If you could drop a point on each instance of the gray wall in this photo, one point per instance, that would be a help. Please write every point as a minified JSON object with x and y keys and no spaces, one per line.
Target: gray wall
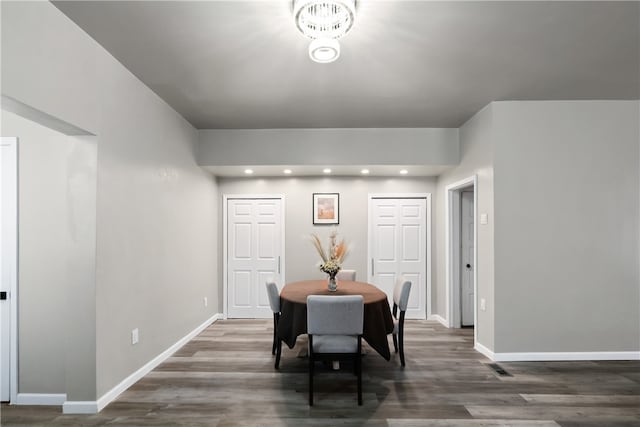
{"x":406,"y":146}
{"x":566,"y":233}
{"x":157,"y":225}
{"x":476,"y":158}
{"x":301,"y":257}
{"x":57,"y":219}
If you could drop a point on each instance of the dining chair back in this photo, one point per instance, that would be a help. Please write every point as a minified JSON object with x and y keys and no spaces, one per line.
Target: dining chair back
{"x":401,"y":292}
{"x":274,"y":302}
{"x":334,"y":326}
{"x":348,"y":275}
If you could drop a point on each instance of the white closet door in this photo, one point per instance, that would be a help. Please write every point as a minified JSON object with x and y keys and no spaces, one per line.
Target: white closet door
{"x":398,"y":246}
{"x":466,"y":259}
{"x":254,"y":255}
{"x":8,"y":258}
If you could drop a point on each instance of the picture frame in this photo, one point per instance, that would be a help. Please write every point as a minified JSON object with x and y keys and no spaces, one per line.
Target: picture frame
{"x":326,"y":208}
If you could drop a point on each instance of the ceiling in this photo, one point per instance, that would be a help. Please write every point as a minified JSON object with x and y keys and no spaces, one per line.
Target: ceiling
{"x":243,"y":65}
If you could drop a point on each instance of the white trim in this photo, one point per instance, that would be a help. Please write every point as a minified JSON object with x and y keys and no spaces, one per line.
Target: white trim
{"x":11,"y":175}
{"x":92,"y":407}
{"x":484,"y":350}
{"x":453,"y":315}
{"x":566,"y":356}
{"x":80,"y":407}
{"x":557,"y":356}
{"x":48,"y":399}
{"x":439,"y":319}
{"x":225,"y":199}
{"x":427,"y":197}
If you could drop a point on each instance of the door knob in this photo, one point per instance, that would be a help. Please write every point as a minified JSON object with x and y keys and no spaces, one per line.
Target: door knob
{"x":468,"y":265}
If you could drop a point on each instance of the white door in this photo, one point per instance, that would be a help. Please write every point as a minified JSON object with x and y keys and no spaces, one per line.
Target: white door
{"x":398,"y":246}
{"x":466,"y":258}
{"x":8,"y":257}
{"x":255,"y":243}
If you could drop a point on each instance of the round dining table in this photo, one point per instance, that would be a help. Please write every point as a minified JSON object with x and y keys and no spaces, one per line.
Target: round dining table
{"x":378,"y":322}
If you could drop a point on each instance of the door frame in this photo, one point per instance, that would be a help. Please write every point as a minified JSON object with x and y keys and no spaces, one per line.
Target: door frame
{"x":452,"y":234}
{"x":11,"y":175}
{"x":427,"y":197}
{"x":225,"y":225}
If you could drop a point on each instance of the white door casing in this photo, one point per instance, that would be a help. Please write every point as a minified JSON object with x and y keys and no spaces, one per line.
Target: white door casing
{"x":399,"y":244}
{"x":467,"y":296}
{"x":254,"y":243}
{"x":8,"y":267}
{"x":453,"y":200}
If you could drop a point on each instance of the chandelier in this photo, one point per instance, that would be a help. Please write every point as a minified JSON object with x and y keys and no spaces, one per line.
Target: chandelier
{"x":324,"y":21}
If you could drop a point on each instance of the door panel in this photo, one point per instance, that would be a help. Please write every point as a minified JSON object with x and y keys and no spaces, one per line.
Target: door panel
{"x":254,"y":241}
{"x":466,"y":259}
{"x":8,"y":259}
{"x":398,"y":233}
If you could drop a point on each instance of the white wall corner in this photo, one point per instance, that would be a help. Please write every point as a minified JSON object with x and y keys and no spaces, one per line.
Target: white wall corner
{"x":485,"y":351}
{"x":439,"y":319}
{"x":47,"y":399}
{"x":89,"y":407}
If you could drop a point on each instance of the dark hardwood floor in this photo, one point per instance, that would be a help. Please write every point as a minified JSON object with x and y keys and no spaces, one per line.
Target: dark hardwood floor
{"x":225,"y":377}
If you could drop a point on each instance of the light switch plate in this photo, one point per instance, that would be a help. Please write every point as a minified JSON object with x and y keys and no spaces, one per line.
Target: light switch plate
{"x":484,"y":219}
{"x":483,"y":304}
{"x":134,"y":336}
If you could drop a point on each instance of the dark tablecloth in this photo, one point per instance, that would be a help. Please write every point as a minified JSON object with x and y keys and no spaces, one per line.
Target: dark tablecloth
{"x":378,"y":322}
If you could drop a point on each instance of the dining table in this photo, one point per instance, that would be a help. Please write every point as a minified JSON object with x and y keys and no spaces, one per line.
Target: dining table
{"x":378,"y":321}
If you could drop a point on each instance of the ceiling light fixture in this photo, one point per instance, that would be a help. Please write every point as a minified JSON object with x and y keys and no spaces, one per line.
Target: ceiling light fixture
{"x":327,"y":170}
{"x":324,"y":21}
{"x":324,"y":50}
{"x":287,"y":171}
{"x":248,"y":171}
{"x":404,"y":172}
{"x":364,"y":171}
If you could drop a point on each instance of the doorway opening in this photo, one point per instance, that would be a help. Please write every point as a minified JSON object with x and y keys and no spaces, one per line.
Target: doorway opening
{"x":461,"y":242}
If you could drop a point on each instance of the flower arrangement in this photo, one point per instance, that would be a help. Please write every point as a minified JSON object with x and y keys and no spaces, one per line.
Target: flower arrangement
{"x":333,"y":258}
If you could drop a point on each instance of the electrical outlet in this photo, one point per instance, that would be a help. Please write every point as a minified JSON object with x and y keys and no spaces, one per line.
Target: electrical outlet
{"x":206,"y":302}
{"x":483,"y":304}
{"x":134,"y":336}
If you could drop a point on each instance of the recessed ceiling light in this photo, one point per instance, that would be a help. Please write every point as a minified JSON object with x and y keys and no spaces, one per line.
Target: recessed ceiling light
{"x":248,"y":171}
{"x":327,"y":170}
{"x":364,"y":171}
{"x":287,"y":171}
{"x":404,"y":172}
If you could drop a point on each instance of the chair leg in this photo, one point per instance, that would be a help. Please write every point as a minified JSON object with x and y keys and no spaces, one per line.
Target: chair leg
{"x":401,"y":343}
{"x":395,"y":342}
{"x":311,"y":366}
{"x":275,"y":333}
{"x":278,"y":352}
{"x":359,"y":371}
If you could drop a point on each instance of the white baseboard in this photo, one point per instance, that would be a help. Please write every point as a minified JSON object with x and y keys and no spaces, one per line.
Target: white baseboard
{"x":557,"y":356}
{"x":80,"y":407}
{"x":93,"y":407}
{"x":439,"y":319}
{"x":484,"y":350}
{"x":565,"y":356}
{"x":39,"y":399}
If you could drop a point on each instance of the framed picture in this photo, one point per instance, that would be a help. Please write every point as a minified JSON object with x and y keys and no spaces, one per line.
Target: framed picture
{"x":326,"y":208}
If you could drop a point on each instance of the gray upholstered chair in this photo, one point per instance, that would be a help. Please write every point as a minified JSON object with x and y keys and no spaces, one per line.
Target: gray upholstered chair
{"x":346,"y":275}
{"x":274,"y":302}
{"x":400,"y":301}
{"x":334,"y":325}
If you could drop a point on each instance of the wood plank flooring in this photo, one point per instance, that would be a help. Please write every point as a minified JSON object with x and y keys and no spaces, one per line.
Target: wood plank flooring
{"x":225,"y":377}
